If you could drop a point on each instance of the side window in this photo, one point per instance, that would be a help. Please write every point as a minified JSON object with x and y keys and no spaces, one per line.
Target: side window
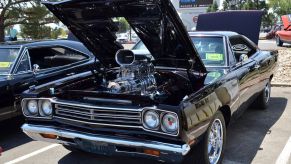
{"x":49,"y":57}
{"x":24,"y":64}
{"x":241,"y":46}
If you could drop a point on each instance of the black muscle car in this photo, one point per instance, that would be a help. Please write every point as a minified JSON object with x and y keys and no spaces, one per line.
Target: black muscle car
{"x":171,"y":104}
{"x":26,"y":64}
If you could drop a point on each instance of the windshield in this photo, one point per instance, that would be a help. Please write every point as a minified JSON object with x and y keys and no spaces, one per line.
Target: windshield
{"x":211,"y":49}
{"x":7,"y":58}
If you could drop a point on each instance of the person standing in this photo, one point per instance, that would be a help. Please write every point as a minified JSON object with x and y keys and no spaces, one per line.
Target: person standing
{"x":13,"y":34}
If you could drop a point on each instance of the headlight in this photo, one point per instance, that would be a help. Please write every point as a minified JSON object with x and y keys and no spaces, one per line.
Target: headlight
{"x":32,"y":107}
{"x":46,"y":108}
{"x":151,"y":119}
{"x":170,"y":122}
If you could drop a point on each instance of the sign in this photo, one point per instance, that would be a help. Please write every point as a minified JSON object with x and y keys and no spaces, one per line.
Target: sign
{"x":194,"y":3}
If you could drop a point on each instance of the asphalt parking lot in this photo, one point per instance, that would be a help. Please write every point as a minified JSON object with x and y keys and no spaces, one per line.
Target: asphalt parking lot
{"x":258,"y":136}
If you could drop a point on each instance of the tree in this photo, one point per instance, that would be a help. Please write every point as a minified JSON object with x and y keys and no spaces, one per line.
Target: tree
{"x":281,"y":7}
{"x":33,"y":31}
{"x":56,"y":33}
{"x":225,"y":5}
{"x":14,"y":12}
{"x":123,"y":25}
{"x":213,"y":7}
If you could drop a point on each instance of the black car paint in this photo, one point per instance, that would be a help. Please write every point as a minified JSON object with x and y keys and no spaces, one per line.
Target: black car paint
{"x":173,"y":48}
{"x":237,"y":85}
{"x":13,"y":84}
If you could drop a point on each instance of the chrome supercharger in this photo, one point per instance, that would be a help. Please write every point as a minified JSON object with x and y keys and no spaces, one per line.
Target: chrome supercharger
{"x":136,"y":74}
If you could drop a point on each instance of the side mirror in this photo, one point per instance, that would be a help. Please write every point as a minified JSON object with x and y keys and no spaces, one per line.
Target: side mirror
{"x":243,"y":58}
{"x":35,"y":68}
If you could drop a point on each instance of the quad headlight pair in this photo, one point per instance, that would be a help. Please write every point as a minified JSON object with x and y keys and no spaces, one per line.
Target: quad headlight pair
{"x":167,"y":122}
{"x":37,"y":108}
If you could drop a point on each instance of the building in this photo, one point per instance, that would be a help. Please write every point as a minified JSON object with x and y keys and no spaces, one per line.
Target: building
{"x":190,"y":9}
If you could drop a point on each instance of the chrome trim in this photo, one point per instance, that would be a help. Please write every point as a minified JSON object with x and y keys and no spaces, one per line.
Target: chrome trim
{"x":34,"y":132}
{"x":161,"y":113}
{"x":141,"y":110}
{"x":24,"y":51}
{"x":101,"y":124}
{"x":108,"y":100}
{"x":23,"y":108}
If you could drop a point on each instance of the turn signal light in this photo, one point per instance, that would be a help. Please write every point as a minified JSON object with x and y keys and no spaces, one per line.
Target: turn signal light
{"x":151,"y":152}
{"x":50,"y":136}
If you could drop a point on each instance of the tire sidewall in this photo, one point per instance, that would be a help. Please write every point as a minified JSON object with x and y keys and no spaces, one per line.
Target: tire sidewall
{"x":278,"y":41}
{"x":270,"y":89}
{"x":218,"y":115}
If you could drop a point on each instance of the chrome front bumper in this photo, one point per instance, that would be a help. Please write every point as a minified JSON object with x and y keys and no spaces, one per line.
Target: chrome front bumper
{"x":168,"y":152}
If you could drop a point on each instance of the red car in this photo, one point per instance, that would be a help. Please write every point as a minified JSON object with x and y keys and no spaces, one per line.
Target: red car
{"x":284,"y":35}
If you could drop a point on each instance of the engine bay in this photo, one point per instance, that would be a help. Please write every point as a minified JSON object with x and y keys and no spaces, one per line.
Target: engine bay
{"x":137,"y":78}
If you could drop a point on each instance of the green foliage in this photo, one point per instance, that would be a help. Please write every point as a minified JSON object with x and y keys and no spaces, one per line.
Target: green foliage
{"x":23,"y":12}
{"x":35,"y":31}
{"x":281,"y":7}
{"x":250,"y":5}
{"x":225,"y":5}
{"x":268,"y":18}
{"x":35,"y":28}
{"x":123,"y":25}
{"x":213,"y":7}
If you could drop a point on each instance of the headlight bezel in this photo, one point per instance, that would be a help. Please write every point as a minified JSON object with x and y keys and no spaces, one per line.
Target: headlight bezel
{"x":39,"y":113}
{"x":160,"y":129}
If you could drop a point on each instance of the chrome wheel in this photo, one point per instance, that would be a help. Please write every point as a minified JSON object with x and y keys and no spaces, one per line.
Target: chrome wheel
{"x":267,"y":93}
{"x":215,"y":141}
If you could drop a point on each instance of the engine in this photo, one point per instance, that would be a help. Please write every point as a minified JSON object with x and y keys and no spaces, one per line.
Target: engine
{"x":135,"y":76}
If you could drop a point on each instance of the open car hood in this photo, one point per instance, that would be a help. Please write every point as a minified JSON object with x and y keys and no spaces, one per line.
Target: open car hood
{"x":156,"y":22}
{"x":246,"y":23}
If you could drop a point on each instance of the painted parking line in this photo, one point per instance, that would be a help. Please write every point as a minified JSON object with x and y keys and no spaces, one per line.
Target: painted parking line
{"x":285,"y":154}
{"x":32,"y":154}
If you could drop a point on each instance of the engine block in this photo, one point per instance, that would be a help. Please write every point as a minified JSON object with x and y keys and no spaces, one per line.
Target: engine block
{"x":134,"y":77}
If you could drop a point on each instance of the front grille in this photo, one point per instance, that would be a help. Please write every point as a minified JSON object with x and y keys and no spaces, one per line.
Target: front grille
{"x":99,"y":115}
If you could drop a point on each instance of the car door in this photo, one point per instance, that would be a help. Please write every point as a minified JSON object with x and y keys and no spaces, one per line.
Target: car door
{"x":246,"y":69}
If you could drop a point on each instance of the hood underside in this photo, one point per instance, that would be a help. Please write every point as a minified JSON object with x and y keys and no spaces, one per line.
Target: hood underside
{"x":243,"y":22}
{"x":156,"y":22}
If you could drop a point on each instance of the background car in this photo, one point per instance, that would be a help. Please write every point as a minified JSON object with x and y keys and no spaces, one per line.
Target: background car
{"x":284,"y":35}
{"x":26,"y":64}
{"x":122,"y":38}
{"x":272,"y":33}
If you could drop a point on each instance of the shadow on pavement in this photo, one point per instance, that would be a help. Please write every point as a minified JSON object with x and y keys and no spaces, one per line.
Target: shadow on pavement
{"x":246,"y":134}
{"x":80,"y":157}
{"x":11,"y":135}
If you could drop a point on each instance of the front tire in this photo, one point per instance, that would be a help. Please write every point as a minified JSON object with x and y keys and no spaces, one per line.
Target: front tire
{"x":211,"y":148}
{"x":279,"y":41}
